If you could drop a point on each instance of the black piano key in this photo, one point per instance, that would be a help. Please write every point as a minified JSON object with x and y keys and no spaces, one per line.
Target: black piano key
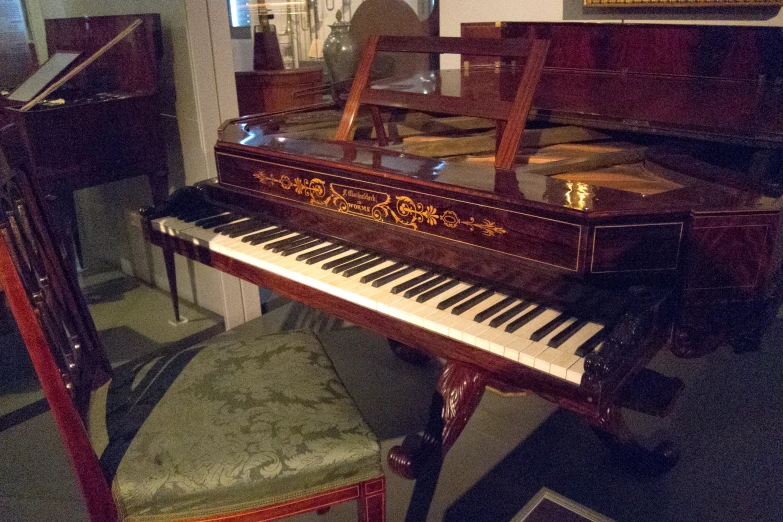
{"x":237,"y":225}
{"x":337,"y":262}
{"x":240,"y":220}
{"x":253,"y":226}
{"x":275,"y":236}
{"x":275,"y":246}
{"x":426,"y":296}
{"x":222,"y":220}
{"x":458,"y":297}
{"x":214,"y":221}
{"x":566,"y":333}
{"x":508,"y":314}
{"x":470,"y":303}
{"x":293,"y":244}
{"x":492,"y":310}
{"x":549,"y":327}
{"x":590,"y":344}
{"x":252,"y":237}
{"x":369,"y":278}
{"x":393,"y":276}
{"x":302,"y":246}
{"x":525,"y":318}
{"x":356,"y":262}
{"x":364,"y":266}
{"x":266,"y":237}
{"x":411,"y":282}
{"x":189,"y":217}
{"x":323,"y":250}
{"x":424,"y":286}
{"x":326,"y":255}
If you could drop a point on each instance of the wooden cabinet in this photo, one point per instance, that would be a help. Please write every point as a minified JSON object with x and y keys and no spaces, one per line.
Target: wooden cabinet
{"x":271,"y":91}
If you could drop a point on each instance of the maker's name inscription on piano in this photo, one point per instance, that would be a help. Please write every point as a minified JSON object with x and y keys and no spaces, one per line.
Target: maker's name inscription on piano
{"x":374,"y":204}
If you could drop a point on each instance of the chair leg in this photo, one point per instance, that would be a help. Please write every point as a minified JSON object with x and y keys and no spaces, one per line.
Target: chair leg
{"x":372,"y":500}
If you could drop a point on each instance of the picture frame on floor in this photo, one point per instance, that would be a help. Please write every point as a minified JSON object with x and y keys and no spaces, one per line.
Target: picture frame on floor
{"x":548,"y":506}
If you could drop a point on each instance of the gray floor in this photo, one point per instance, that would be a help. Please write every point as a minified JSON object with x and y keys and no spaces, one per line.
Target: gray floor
{"x":728,"y":424}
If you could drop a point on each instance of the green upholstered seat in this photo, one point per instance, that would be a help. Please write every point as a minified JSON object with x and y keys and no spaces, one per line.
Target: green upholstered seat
{"x":242,"y":421}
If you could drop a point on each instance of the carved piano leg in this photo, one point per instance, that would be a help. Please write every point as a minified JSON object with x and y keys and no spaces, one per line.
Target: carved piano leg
{"x":408,"y":354}
{"x":749,"y":321}
{"x":460,"y":388}
{"x":420,"y":457}
{"x":695,"y":334}
{"x":611,"y":428}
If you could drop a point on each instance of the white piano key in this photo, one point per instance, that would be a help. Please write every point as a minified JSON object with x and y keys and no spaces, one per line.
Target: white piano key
{"x":584,"y":333}
{"x":474,"y":328}
{"x":516,"y":346}
{"x":436,"y":300}
{"x":545,"y":357}
{"x":575,"y":371}
{"x":170,"y":225}
{"x":559,"y":366}
{"x":537,"y":322}
{"x":510,"y":353}
{"x":498,"y":337}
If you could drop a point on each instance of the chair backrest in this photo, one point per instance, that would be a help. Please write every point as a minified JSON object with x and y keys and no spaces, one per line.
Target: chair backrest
{"x":511,"y":115}
{"x":49,"y":313}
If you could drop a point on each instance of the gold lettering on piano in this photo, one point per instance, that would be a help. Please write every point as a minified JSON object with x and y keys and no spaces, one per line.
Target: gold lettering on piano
{"x":375,"y":205}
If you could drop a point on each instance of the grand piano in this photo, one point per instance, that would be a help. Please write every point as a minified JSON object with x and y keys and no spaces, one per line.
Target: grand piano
{"x":549,"y":230}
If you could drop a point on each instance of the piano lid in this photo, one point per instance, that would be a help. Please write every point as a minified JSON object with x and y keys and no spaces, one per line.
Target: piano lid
{"x":740,"y":111}
{"x":708,"y":82}
{"x":569,"y":192}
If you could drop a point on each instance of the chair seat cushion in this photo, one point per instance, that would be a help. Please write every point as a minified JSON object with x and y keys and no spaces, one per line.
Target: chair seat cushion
{"x":240,"y":422}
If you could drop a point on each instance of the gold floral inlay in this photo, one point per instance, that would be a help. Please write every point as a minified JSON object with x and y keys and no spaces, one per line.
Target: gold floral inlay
{"x":375,"y":204}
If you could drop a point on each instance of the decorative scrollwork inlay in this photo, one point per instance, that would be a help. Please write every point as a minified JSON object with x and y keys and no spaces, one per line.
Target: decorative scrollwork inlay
{"x":376,"y":205}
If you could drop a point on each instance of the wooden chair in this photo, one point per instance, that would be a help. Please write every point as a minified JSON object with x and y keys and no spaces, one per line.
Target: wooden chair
{"x":510,"y":115}
{"x":243,"y":427}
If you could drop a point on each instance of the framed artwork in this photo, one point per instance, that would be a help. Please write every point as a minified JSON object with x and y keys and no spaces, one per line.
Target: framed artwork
{"x":681,"y":3}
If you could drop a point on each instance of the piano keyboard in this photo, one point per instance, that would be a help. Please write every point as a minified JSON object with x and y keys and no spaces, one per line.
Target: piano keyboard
{"x":514,"y":327}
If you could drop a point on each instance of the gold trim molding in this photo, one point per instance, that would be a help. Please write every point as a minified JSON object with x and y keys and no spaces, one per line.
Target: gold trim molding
{"x":375,"y":204}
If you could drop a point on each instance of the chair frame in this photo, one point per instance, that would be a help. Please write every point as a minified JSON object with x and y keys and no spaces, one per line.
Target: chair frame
{"x":28,"y":312}
{"x":511,"y":116}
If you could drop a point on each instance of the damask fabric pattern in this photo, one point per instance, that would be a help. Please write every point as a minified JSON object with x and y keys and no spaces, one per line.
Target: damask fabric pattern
{"x":249,"y":421}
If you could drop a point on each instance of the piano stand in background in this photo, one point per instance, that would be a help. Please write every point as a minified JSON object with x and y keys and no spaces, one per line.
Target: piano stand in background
{"x":106,"y":125}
